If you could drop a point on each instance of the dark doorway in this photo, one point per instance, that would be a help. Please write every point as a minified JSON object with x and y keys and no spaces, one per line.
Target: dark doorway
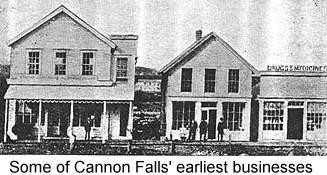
{"x":212,"y":124}
{"x":124,"y":115}
{"x":295,"y":124}
{"x":58,"y":119}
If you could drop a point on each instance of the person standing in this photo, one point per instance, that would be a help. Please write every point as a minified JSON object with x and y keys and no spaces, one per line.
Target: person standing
{"x":87,"y":128}
{"x":192,"y":130}
{"x":220,"y":129}
{"x":203,"y":130}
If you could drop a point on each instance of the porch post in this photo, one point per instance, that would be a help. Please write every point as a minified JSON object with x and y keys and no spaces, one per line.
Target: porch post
{"x":39,"y":122}
{"x":103,"y":121}
{"x":6,"y":121}
{"x":130,"y":121}
{"x":71,"y":115}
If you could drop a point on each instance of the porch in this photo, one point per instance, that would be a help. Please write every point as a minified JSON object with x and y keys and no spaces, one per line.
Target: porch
{"x":37,"y":120}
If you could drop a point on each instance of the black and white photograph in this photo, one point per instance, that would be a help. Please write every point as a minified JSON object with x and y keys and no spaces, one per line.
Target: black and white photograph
{"x":163,"y":77}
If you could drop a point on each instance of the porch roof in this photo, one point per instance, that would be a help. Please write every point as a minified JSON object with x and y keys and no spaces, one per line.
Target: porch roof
{"x":65,"y":93}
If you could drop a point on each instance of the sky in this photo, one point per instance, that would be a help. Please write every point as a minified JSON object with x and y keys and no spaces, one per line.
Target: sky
{"x":264,"y":32}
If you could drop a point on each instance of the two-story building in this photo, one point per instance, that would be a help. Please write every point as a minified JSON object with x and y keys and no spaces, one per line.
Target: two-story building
{"x":63,"y":71}
{"x":209,"y":80}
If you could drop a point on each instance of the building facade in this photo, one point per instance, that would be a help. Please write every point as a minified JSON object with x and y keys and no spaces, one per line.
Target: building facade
{"x":148,"y":84}
{"x":64,"y":72}
{"x":293,"y":106}
{"x":209,"y":80}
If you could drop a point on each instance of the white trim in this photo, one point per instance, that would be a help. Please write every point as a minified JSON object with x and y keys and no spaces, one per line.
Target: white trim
{"x":103,"y":128}
{"x":6,"y":121}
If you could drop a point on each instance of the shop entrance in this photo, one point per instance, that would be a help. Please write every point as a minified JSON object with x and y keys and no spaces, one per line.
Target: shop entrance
{"x":295,"y":124}
{"x":210,"y":114}
{"x":57,"y":119}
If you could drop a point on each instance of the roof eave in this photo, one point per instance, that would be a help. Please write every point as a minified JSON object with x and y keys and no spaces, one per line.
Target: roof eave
{"x":181,"y":56}
{"x":70,"y":14}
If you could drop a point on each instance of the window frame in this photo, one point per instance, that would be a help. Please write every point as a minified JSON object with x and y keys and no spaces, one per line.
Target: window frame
{"x":28,"y":51}
{"x":227,"y":114}
{"x":186,"y":84}
{"x":181,"y":117}
{"x":209,"y":84}
{"x":92,"y":62}
{"x":22,"y":115}
{"x":55,"y":62}
{"x":316,"y":117}
{"x":233,"y":84}
{"x":273,"y":116}
{"x":121,"y":78}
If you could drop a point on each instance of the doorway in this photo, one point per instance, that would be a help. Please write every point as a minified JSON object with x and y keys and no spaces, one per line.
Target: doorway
{"x":58,"y":119}
{"x":295,"y":124}
{"x":211,"y":115}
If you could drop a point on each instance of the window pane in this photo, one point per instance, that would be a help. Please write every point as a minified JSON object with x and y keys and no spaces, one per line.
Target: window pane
{"x":209,"y":80}
{"x":233,"y":115}
{"x":121,"y":71}
{"x":183,"y":113}
{"x":60,"y":63}
{"x":273,"y":116}
{"x":87,"y":63}
{"x":33,"y":62}
{"x":233,"y":80}
{"x":186,"y":80}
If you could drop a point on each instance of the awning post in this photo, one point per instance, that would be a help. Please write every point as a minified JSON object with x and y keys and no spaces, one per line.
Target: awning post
{"x":6,"y":121}
{"x":39,"y":122}
{"x":71,"y":115}
{"x":103,"y":121}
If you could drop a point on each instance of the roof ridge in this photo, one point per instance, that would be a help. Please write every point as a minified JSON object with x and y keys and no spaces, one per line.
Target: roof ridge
{"x":72,"y":15}
{"x":196,"y":44}
{"x":184,"y":52}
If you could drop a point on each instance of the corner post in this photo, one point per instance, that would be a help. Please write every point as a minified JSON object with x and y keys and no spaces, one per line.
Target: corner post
{"x":39,"y":122}
{"x":6,"y":121}
{"x":103,"y":123}
{"x":71,"y":119}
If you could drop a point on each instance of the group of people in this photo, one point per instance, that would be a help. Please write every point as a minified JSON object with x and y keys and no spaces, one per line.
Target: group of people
{"x":203,"y":130}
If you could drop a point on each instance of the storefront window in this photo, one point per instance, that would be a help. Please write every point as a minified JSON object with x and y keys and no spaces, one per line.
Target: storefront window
{"x":316,"y":115}
{"x":273,"y":116}
{"x":27,"y":112}
{"x":233,"y":115}
{"x":183,"y":113}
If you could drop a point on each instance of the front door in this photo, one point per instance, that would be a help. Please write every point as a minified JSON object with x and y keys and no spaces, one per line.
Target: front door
{"x":212,"y":124}
{"x":211,"y":116}
{"x":295,"y":124}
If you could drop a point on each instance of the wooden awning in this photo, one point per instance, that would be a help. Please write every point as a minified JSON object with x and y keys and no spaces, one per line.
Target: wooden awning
{"x":79,"y":94}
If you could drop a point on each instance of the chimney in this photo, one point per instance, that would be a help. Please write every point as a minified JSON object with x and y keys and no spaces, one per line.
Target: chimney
{"x":198,"y":34}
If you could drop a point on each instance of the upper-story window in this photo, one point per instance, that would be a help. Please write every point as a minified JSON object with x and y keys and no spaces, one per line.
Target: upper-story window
{"x":34,"y":62}
{"x":233,"y":81}
{"x":209,"y":80}
{"x":186,"y":80}
{"x":87,"y":63}
{"x":60,"y":63}
{"x":121,"y":74}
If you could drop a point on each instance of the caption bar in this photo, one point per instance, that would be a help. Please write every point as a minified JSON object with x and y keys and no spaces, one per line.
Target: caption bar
{"x":161,"y":166}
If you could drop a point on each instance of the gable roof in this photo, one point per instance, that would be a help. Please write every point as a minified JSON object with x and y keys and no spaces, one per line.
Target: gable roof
{"x":54,"y":13}
{"x":198,"y":44}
